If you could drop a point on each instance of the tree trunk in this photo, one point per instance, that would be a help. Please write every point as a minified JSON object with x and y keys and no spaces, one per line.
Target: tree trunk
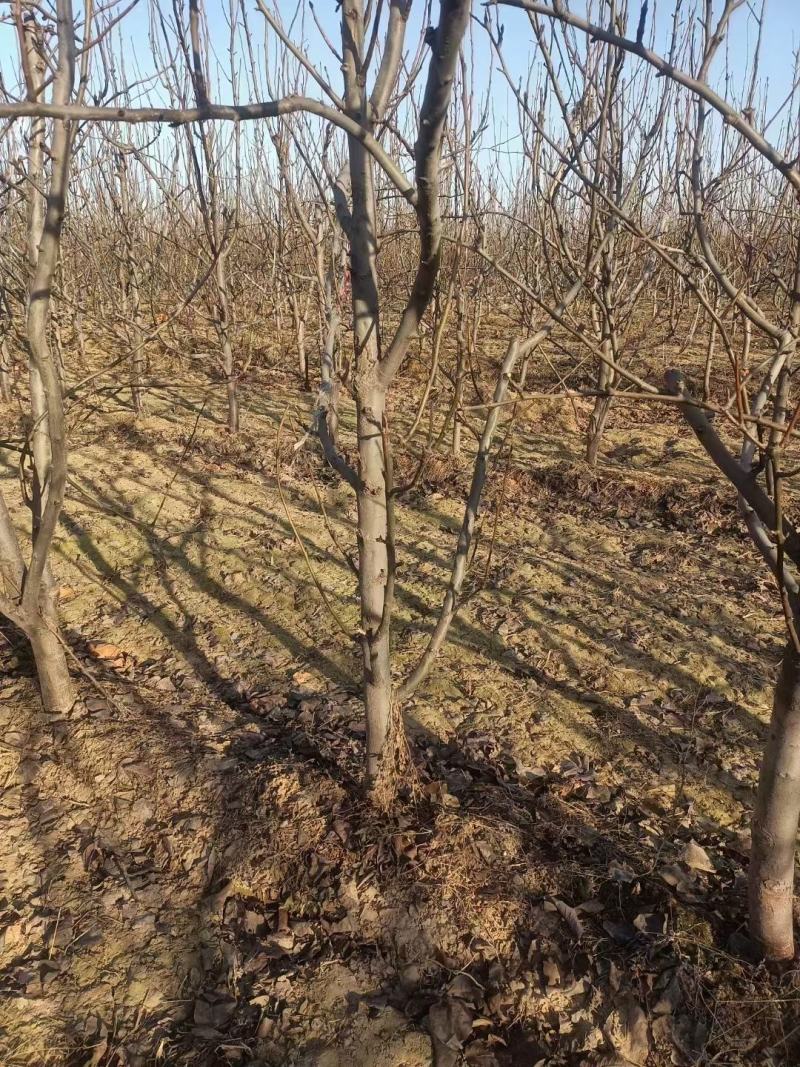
{"x":372,"y":515}
{"x":370,"y":402}
{"x":230,"y":386}
{"x":35,"y":222}
{"x":602,"y":407}
{"x":36,"y":610}
{"x":373,"y":569}
{"x":606,"y":329}
{"x":300,"y":333}
{"x":329,"y":381}
{"x":129,"y":285}
{"x":40,"y":629}
{"x":51,"y":668}
{"x":710,"y":349}
{"x":222,"y":324}
{"x":5,"y":372}
{"x":460,"y":370}
{"x":771,"y":877}
{"x":137,"y":371}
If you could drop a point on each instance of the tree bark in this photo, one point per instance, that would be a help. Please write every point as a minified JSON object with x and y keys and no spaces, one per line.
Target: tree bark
{"x":599,"y":417}
{"x":373,"y":571}
{"x":222,"y":325}
{"x":40,"y":447}
{"x":772,"y":860}
{"x":129,"y":286}
{"x":370,"y":400}
{"x":5,"y":369}
{"x":32,"y":603}
{"x":55,"y":683}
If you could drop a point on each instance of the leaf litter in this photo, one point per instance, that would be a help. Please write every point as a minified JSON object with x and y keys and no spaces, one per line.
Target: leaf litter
{"x":198,"y":879}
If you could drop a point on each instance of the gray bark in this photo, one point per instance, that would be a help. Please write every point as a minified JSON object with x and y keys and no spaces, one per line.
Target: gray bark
{"x":29,"y":598}
{"x":775,"y":820}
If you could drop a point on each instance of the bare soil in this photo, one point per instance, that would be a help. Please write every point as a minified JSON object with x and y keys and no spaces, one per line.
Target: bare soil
{"x":189,"y":872}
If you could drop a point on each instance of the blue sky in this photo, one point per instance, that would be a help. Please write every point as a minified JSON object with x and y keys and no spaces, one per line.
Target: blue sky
{"x":781,"y":33}
{"x":781,"y":38}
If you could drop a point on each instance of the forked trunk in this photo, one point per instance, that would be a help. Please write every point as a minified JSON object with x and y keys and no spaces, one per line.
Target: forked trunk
{"x":35,"y":610}
{"x":772,"y":860}
{"x":375,"y":369}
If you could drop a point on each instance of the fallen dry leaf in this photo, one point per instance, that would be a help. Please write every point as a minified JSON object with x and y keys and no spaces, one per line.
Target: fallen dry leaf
{"x":697,"y":858}
{"x":450,"y":1024}
{"x":626,"y":1030}
{"x":570,"y":917}
{"x":107,"y":652}
{"x":214,"y":1009}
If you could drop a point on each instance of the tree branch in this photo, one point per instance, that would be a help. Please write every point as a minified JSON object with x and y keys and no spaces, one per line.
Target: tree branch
{"x":666,"y":69}
{"x":176,"y":116}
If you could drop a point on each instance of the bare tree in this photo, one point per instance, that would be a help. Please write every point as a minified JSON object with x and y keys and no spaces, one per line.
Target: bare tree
{"x":758,"y":407}
{"x":29,"y":597}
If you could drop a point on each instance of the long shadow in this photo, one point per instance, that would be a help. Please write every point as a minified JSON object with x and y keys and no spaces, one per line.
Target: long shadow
{"x":413,"y":549}
{"x":465,"y":633}
{"x":185,"y":641}
{"x":489,"y":793}
{"x":485,"y":783}
{"x":487,"y":789}
{"x":101,"y":896}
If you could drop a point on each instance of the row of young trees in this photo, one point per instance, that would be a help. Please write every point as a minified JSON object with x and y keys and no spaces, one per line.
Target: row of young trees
{"x":638,"y":212}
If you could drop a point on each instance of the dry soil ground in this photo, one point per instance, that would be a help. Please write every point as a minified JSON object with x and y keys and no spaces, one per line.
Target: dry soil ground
{"x":189,"y":873}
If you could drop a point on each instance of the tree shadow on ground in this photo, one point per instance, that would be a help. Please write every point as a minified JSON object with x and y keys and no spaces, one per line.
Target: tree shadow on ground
{"x":463,"y":868}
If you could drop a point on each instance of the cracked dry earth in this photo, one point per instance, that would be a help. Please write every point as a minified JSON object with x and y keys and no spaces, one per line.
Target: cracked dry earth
{"x":189,"y":873}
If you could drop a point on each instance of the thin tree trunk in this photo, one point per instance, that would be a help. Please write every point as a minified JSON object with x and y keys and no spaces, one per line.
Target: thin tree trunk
{"x":40,"y":444}
{"x":300,"y":334}
{"x":370,"y":401}
{"x":373,"y":574}
{"x":461,"y":557}
{"x":329,"y":382}
{"x":748,"y":335}
{"x":710,"y":350}
{"x":222,"y":324}
{"x":55,"y":683}
{"x":12,"y":566}
{"x":772,"y":862}
{"x":32,"y":603}
{"x":597,"y":422}
{"x":460,"y":371}
{"x":602,"y":404}
{"x":5,"y":368}
{"x":130,"y":290}
{"x":80,"y":336}
{"x":605,"y":373}
{"x":371,"y":495}
{"x":211,"y":209}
